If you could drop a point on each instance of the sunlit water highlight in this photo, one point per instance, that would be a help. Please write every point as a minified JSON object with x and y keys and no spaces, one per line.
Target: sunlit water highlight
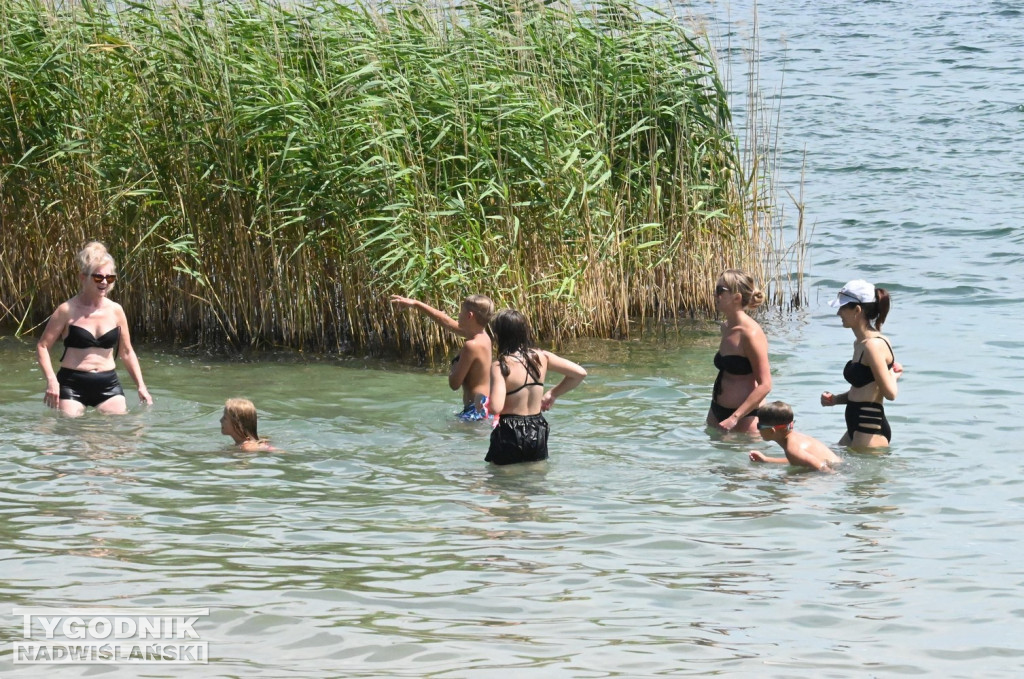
{"x":377,"y":543}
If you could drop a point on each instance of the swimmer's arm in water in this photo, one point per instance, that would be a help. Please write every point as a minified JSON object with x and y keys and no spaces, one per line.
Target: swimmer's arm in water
{"x":498,"y":388}
{"x":756,"y":456}
{"x":54,"y":328}
{"x":131,"y":361}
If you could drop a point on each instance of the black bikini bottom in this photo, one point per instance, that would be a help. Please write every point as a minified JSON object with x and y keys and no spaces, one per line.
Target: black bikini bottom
{"x":722,"y":413}
{"x":519,"y":438}
{"x":88,"y":388}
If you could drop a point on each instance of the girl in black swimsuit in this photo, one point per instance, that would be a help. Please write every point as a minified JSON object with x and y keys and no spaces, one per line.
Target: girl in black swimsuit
{"x":517,"y":391}
{"x":873,"y":371}
{"x":744,"y":376}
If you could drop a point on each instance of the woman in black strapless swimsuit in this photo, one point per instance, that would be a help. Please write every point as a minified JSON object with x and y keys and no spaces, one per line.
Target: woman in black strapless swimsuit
{"x":744,"y":375}
{"x":95,"y":332}
{"x":873,"y":371}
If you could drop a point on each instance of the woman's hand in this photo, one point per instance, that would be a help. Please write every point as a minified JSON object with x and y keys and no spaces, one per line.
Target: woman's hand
{"x":828,"y":398}
{"x":144,"y":396}
{"x":729,"y":423}
{"x":897,"y":369}
{"x":546,"y":401}
{"x":52,"y":395}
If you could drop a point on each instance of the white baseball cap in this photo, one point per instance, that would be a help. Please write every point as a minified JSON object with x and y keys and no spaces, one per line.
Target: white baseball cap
{"x":856,"y":292}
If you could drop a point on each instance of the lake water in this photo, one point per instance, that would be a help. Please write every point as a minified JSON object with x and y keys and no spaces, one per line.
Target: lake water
{"x":379,"y":544}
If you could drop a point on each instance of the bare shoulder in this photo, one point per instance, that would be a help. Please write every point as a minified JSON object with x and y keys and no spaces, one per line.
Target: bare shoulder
{"x":751,"y":328}
{"x":251,"y":446}
{"x":63,"y":310}
{"x":479,"y":343}
{"x":884,"y":341}
{"x":752,"y":337}
{"x":809,"y":443}
{"x":879,"y":344}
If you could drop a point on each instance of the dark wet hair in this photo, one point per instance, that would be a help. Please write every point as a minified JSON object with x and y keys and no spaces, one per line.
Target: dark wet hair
{"x":512,"y":332}
{"x":775,"y":413}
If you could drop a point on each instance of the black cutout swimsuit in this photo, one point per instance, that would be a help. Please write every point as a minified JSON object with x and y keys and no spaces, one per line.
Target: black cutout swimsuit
{"x":867,"y":417}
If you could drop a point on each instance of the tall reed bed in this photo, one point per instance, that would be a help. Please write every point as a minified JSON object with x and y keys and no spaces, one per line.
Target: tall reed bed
{"x":267,"y":174}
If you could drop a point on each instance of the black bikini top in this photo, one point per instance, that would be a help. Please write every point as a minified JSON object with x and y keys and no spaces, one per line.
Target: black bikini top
{"x":734,"y":364}
{"x":860,"y":375}
{"x":80,"y":338}
{"x":529,"y":376}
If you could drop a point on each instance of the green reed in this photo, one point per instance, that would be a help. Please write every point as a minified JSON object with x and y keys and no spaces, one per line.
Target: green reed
{"x":267,"y":174}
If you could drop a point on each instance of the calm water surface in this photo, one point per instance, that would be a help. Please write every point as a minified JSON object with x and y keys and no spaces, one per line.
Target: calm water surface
{"x":378,"y":544}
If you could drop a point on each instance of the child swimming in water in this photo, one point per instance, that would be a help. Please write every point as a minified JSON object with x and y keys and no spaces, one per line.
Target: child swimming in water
{"x":239,"y":422}
{"x":775,"y":423}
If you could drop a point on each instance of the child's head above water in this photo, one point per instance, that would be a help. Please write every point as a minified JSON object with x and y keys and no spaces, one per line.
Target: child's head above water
{"x":775,"y":414}
{"x":239,"y":420}
{"x":481,"y":306}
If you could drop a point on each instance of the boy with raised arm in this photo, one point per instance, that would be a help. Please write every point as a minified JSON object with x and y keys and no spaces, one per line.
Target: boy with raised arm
{"x":775,"y":423}
{"x":471,"y":369}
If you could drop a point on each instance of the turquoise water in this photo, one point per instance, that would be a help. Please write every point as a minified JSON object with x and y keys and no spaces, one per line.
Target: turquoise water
{"x":377,"y":543}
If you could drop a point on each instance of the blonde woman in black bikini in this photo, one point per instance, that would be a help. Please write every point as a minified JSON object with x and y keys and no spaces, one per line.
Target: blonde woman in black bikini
{"x":95,"y":331}
{"x":873,"y":371}
{"x":744,"y":376}
{"x":517,"y":391}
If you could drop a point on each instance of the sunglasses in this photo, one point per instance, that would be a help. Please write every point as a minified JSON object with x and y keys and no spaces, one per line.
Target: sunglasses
{"x":722,"y":289}
{"x":765,"y":427}
{"x":99,"y":278}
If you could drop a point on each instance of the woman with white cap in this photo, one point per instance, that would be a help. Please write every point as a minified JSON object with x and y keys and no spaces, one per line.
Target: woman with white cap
{"x":873,"y":371}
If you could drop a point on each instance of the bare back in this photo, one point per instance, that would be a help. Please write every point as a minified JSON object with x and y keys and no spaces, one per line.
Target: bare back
{"x":472,"y":370}
{"x":522,"y":391}
{"x":808,"y":451}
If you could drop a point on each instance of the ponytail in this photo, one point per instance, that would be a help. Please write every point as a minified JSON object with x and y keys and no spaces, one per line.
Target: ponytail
{"x":877,"y":310}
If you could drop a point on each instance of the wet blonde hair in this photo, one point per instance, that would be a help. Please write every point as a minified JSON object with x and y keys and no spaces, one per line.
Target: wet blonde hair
{"x":241,"y":413}
{"x":742,"y":282}
{"x":481,"y":306}
{"x":93,"y":256}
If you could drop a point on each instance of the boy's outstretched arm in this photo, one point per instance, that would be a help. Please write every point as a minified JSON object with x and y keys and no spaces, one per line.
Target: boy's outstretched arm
{"x":756,"y":456}
{"x":436,"y":315}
